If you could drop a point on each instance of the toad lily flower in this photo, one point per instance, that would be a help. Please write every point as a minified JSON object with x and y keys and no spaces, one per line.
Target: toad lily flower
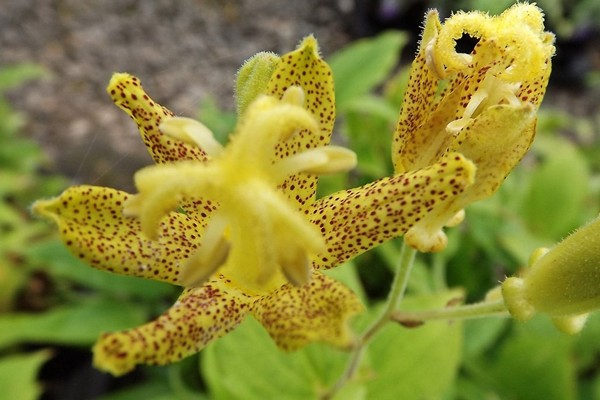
{"x":563,"y":282}
{"x":239,"y":227}
{"x":263,"y":229}
{"x":482,"y":105}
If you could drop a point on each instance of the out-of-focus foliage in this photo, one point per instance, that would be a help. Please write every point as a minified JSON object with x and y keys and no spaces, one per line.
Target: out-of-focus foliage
{"x":555,"y":189}
{"x":18,"y":375}
{"x":18,"y":159}
{"x":46,"y":295}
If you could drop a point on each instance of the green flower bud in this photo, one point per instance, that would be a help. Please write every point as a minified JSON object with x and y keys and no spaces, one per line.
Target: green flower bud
{"x":563,"y":282}
{"x":253,"y":77}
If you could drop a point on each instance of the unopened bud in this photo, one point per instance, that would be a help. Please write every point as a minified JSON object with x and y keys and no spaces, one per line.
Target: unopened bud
{"x":253,"y":77}
{"x":563,"y":282}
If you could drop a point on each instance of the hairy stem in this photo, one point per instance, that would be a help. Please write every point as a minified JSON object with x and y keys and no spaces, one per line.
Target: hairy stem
{"x":397,"y":290}
{"x":477,"y":310}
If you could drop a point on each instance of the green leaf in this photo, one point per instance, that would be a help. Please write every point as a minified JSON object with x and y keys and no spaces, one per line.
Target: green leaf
{"x":347,"y":274}
{"x":18,"y":375}
{"x":74,"y":325}
{"x":587,"y":346}
{"x":368,"y":123}
{"x":220,"y":122}
{"x":16,"y":75}
{"x":558,"y":189}
{"x":416,"y":363}
{"x":400,"y":363}
{"x":363,"y":65}
{"x":247,"y":365}
{"x":535,"y":363}
{"x":481,"y":334}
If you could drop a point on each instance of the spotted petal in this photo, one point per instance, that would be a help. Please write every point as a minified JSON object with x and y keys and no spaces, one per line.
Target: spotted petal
{"x":319,"y":311}
{"x":357,"y":220}
{"x":92,"y":225}
{"x":495,"y":141}
{"x":128,"y":94}
{"x":418,"y":98}
{"x":197,"y":318}
{"x":305,"y":68}
{"x":509,"y":65}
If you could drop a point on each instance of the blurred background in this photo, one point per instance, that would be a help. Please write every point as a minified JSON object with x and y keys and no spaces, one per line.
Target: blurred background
{"x":58,"y":127}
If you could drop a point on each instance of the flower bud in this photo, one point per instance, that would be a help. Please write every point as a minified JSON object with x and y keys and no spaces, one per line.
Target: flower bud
{"x":563,"y":282}
{"x":253,"y":77}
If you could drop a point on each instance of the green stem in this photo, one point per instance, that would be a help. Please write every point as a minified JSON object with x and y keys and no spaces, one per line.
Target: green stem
{"x":439,"y":272}
{"x":397,"y":290}
{"x":469,"y":311}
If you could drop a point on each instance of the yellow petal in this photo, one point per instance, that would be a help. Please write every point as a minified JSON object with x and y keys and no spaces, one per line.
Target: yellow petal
{"x":320,"y":311}
{"x":495,"y":141}
{"x":421,"y":142}
{"x":269,"y":236}
{"x":91,"y":223}
{"x":197,"y":318}
{"x":304,"y":67}
{"x":192,"y":132}
{"x":509,"y":65}
{"x":127,"y":93}
{"x":418,"y":100}
{"x":356,"y":220}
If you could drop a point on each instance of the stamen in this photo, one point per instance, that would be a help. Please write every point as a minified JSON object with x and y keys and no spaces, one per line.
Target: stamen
{"x":319,"y":161}
{"x":209,"y":257}
{"x":457,"y":125}
{"x":162,"y":188}
{"x":192,"y":132}
{"x":272,"y":121}
{"x":294,"y":95}
{"x":493,"y":91}
{"x":296,"y":267}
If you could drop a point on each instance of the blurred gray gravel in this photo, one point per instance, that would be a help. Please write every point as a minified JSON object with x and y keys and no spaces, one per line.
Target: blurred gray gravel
{"x":182,"y":51}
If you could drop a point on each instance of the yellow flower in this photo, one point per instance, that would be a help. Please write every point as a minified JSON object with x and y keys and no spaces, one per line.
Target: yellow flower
{"x":249,"y":237}
{"x":482,"y":105}
{"x":562,"y":282}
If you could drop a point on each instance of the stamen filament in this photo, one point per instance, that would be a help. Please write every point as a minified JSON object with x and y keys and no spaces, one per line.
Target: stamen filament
{"x":213,"y":253}
{"x":319,"y":161}
{"x":193,"y":132}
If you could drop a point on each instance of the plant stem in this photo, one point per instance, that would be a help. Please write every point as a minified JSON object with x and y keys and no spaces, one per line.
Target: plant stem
{"x":397,"y":290}
{"x":469,"y":311}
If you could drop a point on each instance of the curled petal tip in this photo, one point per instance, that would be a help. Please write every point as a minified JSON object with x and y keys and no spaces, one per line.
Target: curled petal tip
{"x":111,"y":356}
{"x":310,"y":43}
